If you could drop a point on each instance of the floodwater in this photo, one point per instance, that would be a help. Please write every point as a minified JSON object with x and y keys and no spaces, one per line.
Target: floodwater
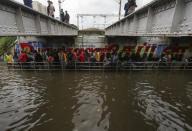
{"x":95,"y":101}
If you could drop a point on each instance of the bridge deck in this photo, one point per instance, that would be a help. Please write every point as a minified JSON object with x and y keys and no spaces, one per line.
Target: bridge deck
{"x":19,"y":20}
{"x":169,"y":18}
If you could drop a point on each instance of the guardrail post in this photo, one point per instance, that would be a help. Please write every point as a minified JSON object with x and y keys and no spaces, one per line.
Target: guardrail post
{"x":38,"y":24}
{"x":62,"y":66}
{"x":184,"y":65}
{"x":75,"y":66}
{"x":89,"y":66}
{"x":19,"y":20}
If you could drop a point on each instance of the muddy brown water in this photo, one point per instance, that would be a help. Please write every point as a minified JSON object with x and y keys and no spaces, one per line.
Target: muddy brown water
{"x":96,"y":101}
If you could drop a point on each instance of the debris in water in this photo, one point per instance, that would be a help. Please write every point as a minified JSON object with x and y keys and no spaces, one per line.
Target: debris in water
{"x":98,"y":110}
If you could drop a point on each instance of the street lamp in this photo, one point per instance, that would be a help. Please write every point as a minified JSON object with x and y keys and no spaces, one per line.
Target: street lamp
{"x":119,"y":2}
{"x":60,"y":2}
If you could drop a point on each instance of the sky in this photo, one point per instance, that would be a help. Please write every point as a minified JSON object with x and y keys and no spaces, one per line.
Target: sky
{"x":75,"y":7}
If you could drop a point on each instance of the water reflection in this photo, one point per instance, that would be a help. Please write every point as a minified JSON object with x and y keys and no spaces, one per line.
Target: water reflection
{"x":91,"y":111}
{"x":95,"y":101}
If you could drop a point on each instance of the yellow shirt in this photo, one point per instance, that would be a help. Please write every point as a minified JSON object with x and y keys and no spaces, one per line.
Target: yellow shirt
{"x":65,"y":57}
{"x":61,"y":55}
{"x":10,"y":58}
{"x":98,"y":56}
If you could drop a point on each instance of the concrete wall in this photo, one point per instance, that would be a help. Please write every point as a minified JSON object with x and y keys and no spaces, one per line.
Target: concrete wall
{"x":93,"y":41}
{"x":181,"y":45}
{"x":50,"y":42}
{"x":182,"y":41}
{"x":154,"y":40}
{"x":27,"y":39}
{"x":59,"y":42}
{"x":121,"y":40}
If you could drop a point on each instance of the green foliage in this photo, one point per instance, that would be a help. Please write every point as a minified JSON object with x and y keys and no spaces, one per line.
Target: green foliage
{"x":6,"y":43}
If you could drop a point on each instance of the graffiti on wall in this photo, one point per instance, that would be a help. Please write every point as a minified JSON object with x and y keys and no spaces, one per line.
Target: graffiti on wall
{"x":154,"y":49}
{"x":145,"y":48}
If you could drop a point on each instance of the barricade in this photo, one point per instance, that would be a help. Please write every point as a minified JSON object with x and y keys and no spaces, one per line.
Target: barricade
{"x":102,"y":66}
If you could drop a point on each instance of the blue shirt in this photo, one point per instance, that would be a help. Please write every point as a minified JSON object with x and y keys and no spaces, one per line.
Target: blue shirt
{"x":27,"y":2}
{"x":126,"y":8}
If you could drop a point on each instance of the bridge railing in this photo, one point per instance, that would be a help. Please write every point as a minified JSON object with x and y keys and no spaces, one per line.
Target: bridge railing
{"x":19,"y":20}
{"x":100,"y":66}
{"x":171,"y":18}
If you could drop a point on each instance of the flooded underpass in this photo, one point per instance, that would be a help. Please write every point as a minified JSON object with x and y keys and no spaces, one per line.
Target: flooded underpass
{"x":96,"y":101}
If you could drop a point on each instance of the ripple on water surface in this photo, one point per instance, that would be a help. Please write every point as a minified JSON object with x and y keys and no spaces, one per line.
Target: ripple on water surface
{"x":96,"y":101}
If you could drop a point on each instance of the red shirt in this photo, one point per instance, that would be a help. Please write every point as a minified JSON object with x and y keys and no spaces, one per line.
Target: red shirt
{"x":74,"y":56}
{"x":81,"y":57}
{"x":23,"y":57}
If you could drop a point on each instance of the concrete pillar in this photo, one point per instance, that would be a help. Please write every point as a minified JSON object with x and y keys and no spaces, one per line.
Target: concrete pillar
{"x":178,"y":15}
{"x":122,"y":26}
{"x":149,"y":20}
{"x":38,"y":24}
{"x":126,"y":27}
{"x":135,"y":21}
{"x":57,"y":27}
{"x":49,"y":26}
{"x":19,"y":20}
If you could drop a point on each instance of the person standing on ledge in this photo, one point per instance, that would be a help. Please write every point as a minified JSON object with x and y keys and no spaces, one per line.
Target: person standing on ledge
{"x":132,"y":6}
{"x":126,"y":8}
{"x":28,"y":3}
{"x":67,"y":17}
{"x":50,"y":9}
{"x":62,"y":15}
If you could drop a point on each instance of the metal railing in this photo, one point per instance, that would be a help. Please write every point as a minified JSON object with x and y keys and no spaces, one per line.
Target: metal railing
{"x":100,"y":66}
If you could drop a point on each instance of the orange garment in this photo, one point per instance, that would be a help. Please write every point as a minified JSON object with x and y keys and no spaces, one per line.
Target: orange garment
{"x":65,"y":57}
{"x":50,"y":59}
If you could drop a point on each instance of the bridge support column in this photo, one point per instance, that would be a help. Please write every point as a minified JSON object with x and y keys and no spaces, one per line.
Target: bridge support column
{"x":178,"y":15}
{"x":49,"y":26}
{"x":57,"y":27}
{"x":149,"y":20}
{"x":19,"y":20}
{"x":135,"y":24}
{"x":38,"y":24}
{"x":121,"y":28}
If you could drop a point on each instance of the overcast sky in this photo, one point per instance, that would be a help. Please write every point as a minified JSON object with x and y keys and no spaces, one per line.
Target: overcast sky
{"x":75,"y":7}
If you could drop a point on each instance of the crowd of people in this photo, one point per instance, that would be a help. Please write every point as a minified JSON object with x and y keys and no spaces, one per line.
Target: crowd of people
{"x":64,"y":16}
{"x":50,"y":10}
{"x":67,"y":58}
{"x":130,"y":7}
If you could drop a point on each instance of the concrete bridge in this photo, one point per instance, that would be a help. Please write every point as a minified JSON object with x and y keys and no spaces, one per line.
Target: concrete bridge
{"x":19,"y":20}
{"x":169,"y":18}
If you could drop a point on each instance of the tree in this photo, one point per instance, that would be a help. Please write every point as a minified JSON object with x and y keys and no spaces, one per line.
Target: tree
{"x":6,"y":43}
